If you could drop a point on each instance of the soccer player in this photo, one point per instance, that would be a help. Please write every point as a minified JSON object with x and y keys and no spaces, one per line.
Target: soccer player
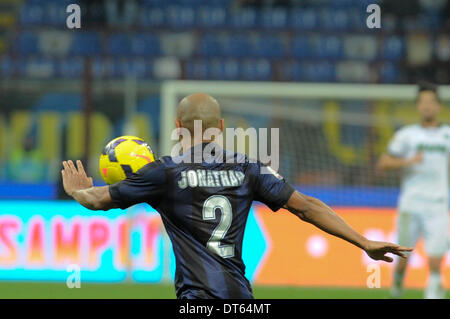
{"x":421,"y":151}
{"x":204,"y":206}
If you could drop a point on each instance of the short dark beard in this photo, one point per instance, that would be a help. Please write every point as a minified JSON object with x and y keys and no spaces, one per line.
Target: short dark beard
{"x":429,"y":121}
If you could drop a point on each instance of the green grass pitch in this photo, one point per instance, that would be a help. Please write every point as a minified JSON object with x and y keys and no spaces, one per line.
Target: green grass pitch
{"x":59,"y":290}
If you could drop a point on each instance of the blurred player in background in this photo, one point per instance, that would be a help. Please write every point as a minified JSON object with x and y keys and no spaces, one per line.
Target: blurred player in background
{"x":421,"y":151}
{"x":204,"y":205}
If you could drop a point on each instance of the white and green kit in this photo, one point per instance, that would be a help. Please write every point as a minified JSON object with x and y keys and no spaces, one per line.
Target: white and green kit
{"x":423,"y":201}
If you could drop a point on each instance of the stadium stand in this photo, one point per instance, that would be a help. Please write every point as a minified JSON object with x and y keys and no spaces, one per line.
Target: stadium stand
{"x":234,"y":40}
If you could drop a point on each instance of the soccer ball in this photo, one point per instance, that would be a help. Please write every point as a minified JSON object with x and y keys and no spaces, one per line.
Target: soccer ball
{"x":124,"y":156}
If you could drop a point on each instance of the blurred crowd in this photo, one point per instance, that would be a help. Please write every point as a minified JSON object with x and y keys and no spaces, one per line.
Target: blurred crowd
{"x":280,"y":40}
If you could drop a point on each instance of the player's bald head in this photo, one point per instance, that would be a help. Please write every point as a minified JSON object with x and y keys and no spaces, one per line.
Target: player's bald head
{"x":199,"y":106}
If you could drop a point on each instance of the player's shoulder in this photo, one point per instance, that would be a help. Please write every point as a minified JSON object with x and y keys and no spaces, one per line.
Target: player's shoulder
{"x":236,"y":157}
{"x":156,"y":165}
{"x":242,"y":162}
{"x":408,"y":129}
{"x":255,"y":167}
{"x":153,"y":172}
{"x":413,"y":129}
{"x":165,"y":162}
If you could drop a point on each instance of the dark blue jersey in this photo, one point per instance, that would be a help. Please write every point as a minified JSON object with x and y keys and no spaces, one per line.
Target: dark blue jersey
{"x":204,"y":208}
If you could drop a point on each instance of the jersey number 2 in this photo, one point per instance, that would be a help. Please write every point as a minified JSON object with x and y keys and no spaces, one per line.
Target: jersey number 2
{"x":209,"y":212}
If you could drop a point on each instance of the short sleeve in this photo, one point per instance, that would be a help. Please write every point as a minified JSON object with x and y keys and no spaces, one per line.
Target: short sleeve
{"x":270,"y":187}
{"x":398,"y":145}
{"x":145,"y":186}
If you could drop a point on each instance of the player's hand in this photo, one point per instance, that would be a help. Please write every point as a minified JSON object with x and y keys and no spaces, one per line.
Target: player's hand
{"x":377,"y":250}
{"x":75,"y":178}
{"x":416,"y":158}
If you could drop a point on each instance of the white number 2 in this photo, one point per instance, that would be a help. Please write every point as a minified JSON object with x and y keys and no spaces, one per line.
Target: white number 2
{"x":209,"y":212}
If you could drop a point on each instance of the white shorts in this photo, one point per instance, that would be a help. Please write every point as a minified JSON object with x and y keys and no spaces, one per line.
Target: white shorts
{"x":431,"y":225}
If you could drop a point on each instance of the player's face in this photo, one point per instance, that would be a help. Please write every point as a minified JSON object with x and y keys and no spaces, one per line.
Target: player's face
{"x":428,"y":105}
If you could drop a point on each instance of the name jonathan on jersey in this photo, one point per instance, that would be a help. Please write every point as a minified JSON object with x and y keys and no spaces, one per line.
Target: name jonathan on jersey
{"x":210,"y":178}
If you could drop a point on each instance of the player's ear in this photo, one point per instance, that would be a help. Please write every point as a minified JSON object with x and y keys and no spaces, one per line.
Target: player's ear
{"x":178,"y":124}
{"x":221,"y":124}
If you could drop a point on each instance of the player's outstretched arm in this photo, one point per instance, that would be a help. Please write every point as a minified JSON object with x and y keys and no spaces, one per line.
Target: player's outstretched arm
{"x":78,"y":185}
{"x":314,"y":211}
{"x":389,"y":162}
